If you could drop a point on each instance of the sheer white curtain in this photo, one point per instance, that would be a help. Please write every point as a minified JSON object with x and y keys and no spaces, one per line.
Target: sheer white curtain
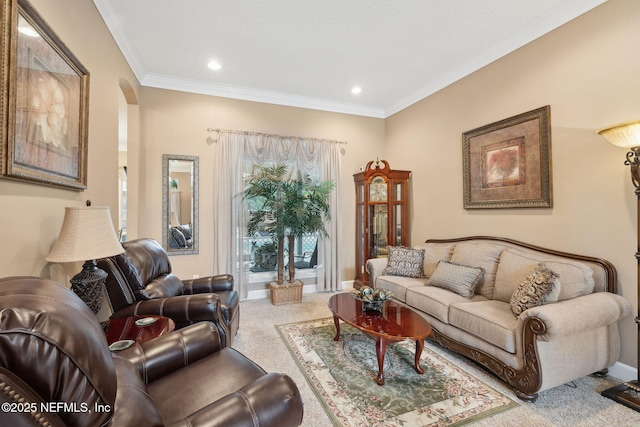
{"x":228,"y":213}
{"x":329,"y":256}
{"x":236,"y":150}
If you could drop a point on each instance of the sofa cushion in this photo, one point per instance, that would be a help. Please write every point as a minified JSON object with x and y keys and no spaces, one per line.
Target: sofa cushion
{"x":490,"y":320}
{"x":483,"y":255}
{"x":460,"y":279}
{"x":574,"y":278}
{"x":436,"y":301}
{"x":398,"y":285}
{"x":532,"y":291}
{"x":405,"y":262}
{"x":434,"y":253}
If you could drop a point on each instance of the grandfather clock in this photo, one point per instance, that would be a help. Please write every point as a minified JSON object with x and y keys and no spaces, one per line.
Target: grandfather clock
{"x":382,"y":214}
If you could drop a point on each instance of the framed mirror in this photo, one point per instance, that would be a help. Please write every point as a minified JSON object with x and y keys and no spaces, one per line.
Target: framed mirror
{"x":180,"y":204}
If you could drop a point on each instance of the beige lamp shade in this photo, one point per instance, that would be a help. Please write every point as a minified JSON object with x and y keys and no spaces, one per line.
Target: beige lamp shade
{"x":626,"y":135}
{"x":87,"y":234}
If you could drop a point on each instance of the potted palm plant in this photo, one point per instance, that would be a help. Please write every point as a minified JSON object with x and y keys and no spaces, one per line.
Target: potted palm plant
{"x":308,"y":210}
{"x":286,"y":207}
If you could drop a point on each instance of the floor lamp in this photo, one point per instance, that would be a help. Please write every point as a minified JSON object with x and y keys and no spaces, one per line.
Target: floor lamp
{"x":87,"y":234}
{"x":627,"y":135}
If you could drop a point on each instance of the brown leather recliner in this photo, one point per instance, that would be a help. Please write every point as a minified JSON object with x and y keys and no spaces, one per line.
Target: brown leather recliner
{"x":56,"y":369}
{"x":139,"y":281}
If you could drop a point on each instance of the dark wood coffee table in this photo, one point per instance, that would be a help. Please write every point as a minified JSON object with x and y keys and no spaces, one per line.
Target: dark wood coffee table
{"x":394,"y":324}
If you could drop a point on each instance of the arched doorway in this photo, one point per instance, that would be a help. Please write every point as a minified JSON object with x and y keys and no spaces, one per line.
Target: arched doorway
{"x":128,"y":161}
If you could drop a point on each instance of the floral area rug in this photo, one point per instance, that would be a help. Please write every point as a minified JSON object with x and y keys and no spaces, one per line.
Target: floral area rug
{"x":343,"y":376}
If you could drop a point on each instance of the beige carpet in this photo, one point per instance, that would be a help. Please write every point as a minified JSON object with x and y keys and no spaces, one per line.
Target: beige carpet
{"x":576,"y":404}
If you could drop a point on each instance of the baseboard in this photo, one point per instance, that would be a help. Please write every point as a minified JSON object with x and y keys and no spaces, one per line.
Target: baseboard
{"x":347,"y":285}
{"x":306,"y":289}
{"x":622,"y":371}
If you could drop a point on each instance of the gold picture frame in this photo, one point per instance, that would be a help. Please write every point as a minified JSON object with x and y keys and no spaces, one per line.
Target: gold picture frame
{"x":507,"y":164}
{"x":45,"y":106}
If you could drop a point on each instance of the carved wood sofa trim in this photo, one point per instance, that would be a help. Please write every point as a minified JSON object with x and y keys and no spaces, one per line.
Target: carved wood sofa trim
{"x":525,"y":382}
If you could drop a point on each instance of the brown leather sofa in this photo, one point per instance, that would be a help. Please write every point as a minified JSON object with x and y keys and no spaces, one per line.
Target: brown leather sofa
{"x":140,"y":281}
{"x":57,"y":370}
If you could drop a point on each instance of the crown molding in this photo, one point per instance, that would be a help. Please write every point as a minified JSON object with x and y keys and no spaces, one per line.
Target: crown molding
{"x":257,"y":95}
{"x":549,"y":22}
{"x":107,"y":10}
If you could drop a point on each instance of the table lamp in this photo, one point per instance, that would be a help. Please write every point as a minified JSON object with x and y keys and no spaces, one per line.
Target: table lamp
{"x":87,"y":234}
{"x":627,"y":135}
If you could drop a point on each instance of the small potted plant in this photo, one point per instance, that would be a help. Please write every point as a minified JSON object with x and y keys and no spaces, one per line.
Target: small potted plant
{"x":173,"y":183}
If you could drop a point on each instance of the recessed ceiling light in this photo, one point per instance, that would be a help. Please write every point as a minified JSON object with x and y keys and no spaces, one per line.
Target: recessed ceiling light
{"x":214,"y":65}
{"x":356,"y":90}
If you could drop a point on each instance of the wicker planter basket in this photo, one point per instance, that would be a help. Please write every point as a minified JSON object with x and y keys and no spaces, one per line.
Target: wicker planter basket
{"x":286,"y":293}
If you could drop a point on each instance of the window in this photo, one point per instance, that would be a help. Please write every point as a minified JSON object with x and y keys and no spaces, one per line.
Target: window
{"x":233,"y":252}
{"x":259,"y":252}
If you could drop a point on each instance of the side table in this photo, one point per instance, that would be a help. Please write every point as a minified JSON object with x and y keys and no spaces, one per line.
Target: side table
{"x":137,"y":328}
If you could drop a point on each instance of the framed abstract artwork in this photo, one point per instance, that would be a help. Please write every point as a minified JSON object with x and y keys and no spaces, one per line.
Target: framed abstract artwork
{"x":507,"y":164}
{"x":45,"y":104}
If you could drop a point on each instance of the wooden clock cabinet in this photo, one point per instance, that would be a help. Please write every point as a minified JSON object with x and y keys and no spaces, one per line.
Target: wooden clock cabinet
{"x":382,"y":214}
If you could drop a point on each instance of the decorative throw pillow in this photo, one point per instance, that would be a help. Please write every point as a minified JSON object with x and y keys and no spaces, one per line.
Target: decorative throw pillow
{"x":177,"y":239}
{"x":405,"y":261}
{"x":532,"y":291}
{"x":456,"y":278}
{"x":186,"y":231}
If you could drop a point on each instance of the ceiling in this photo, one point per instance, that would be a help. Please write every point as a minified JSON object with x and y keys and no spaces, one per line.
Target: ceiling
{"x":311,"y":54}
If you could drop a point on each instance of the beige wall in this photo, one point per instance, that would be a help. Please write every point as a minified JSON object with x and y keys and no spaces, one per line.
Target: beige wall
{"x":32,"y":214}
{"x":177,"y":122}
{"x":588,"y":71}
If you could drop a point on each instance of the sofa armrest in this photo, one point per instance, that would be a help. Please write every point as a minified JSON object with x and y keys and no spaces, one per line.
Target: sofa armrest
{"x":217,"y":283}
{"x":181,"y":308}
{"x":167,"y":353}
{"x":577,"y":314}
{"x":374,"y":267}
{"x":271,"y":400}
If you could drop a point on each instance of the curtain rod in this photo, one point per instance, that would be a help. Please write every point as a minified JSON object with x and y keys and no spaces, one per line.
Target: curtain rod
{"x":274,"y":136}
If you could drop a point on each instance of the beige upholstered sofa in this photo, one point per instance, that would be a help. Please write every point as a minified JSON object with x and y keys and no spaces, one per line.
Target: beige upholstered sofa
{"x":573,"y":333}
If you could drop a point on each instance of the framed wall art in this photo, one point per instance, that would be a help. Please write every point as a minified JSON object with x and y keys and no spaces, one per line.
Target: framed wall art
{"x":45,"y":102}
{"x":507,"y":164}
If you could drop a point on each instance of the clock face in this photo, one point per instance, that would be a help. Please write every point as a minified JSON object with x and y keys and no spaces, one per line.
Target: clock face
{"x":378,"y":190}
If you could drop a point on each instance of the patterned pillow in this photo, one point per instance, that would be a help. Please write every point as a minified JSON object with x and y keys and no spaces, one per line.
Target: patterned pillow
{"x":177,"y":239}
{"x":405,"y":261}
{"x":533,"y":289}
{"x":186,"y":231}
{"x":456,"y":278}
